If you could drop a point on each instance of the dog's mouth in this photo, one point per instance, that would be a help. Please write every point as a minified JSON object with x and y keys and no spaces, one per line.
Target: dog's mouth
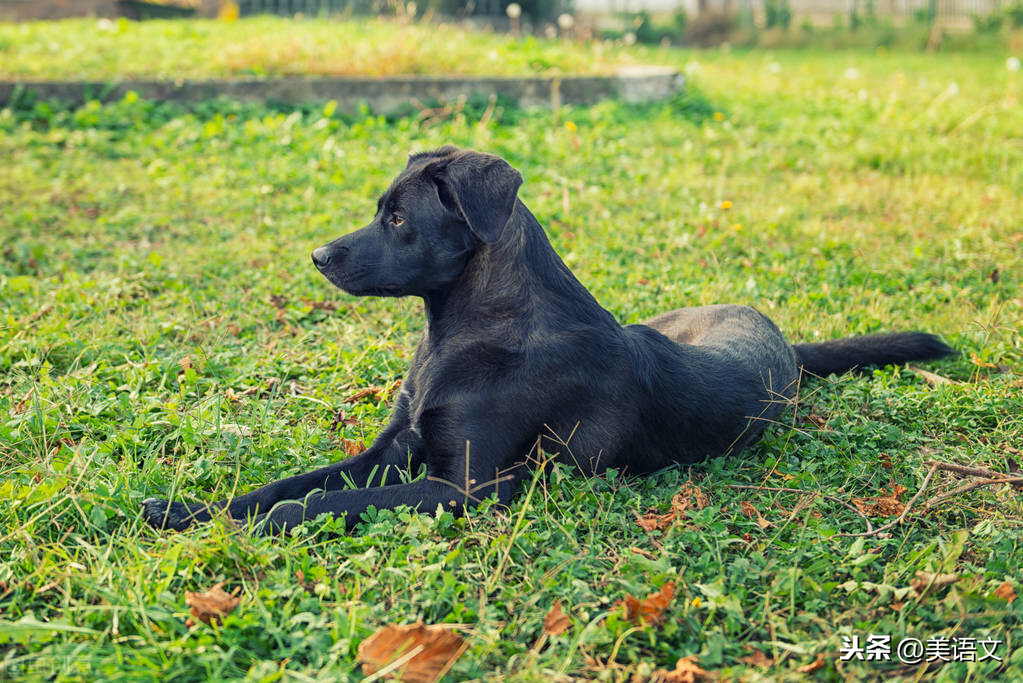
{"x":373,"y":291}
{"x":353,"y":282}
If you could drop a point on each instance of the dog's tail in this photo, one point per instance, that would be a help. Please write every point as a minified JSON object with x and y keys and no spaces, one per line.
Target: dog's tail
{"x":890,"y":348}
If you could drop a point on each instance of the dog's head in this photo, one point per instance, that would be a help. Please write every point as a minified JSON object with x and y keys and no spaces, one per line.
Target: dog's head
{"x":435,"y":215}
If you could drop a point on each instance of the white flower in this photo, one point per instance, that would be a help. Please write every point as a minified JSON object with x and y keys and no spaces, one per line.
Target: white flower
{"x":105,"y":24}
{"x":565,"y":21}
{"x":1012,"y":63}
{"x":514,"y":10}
{"x":630,"y":38}
{"x":852,"y":73}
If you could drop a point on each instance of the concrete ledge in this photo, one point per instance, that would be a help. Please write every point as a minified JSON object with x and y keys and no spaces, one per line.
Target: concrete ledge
{"x":639,"y":84}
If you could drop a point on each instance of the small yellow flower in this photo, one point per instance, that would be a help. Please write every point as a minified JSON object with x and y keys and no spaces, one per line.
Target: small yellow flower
{"x":725,"y":205}
{"x":696,"y":603}
{"x":570,"y":126}
{"x":737,"y":227}
{"x":718,"y":116}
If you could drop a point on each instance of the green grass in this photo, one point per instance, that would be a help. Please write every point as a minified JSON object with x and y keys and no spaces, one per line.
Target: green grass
{"x":137,"y":235}
{"x":273,"y":46}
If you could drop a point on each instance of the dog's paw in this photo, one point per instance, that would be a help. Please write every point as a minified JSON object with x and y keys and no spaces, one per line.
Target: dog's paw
{"x":164,"y":514}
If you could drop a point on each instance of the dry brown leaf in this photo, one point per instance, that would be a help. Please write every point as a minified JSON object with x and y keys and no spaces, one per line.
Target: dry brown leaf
{"x":879,"y":507}
{"x":885,"y":505}
{"x":353,"y":447}
{"x":416,"y":652}
{"x":817,"y":421}
{"x":185,"y":362}
{"x":688,"y":498}
{"x":379,"y":393}
{"x":886,"y":460}
{"x":686,"y":670}
{"x":213,"y":605}
{"x":926,"y":582}
{"x":649,"y":610}
{"x":556,"y":622}
{"x":691,"y":490}
{"x":756,"y":657}
{"x":751,"y":512}
{"x":1006,"y":592}
{"x":975,"y":359}
{"x":815,"y":665}
{"x":363,"y":393}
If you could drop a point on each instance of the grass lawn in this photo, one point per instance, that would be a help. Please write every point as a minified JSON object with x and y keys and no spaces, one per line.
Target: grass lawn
{"x":164,"y":332}
{"x":274,"y":46}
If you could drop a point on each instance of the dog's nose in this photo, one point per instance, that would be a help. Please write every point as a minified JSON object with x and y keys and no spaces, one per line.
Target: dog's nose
{"x":321,"y":257}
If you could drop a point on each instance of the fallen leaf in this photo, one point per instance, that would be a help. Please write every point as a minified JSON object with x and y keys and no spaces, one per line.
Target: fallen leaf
{"x":278,"y":301}
{"x":417,"y":653}
{"x":749,"y":511}
{"x":686,"y":671}
{"x":885,"y":505}
{"x":926,"y":582}
{"x":556,"y":622}
{"x":379,"y":393}
{"x":362,"y":393}
{"x":886,"y":460}
{"x":756,"y":657}
{"x":649,"y":610}
{"x":213,"y":605}
{"x":655,"y":522}
{"x":353,"y":447}
{"x":879,"y":506}
{"x":1006,"y":592}
{"x":975,"y":359}
{"x":815,"y":665}
{"x":689,"y":497}
{"x":185,"y":362}
{"x":817,"y":420}
{"x":692,"y":493}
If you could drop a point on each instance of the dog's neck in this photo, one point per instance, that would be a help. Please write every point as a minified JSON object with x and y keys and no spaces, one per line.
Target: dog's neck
{"x":502,"y":282}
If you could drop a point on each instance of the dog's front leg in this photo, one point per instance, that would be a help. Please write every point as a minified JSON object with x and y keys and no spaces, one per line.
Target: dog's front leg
{"x":424,"y":495}
{"x":396,"y":448}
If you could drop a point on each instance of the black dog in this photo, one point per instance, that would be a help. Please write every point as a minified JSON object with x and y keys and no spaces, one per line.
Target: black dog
{"x":518,"y":357}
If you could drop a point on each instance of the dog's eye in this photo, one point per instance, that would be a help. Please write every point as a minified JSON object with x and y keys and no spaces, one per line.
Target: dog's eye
{"x":398,"y":220}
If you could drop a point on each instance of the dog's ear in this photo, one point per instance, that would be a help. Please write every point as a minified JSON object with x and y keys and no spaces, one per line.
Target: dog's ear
{"x":483,"y":188}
